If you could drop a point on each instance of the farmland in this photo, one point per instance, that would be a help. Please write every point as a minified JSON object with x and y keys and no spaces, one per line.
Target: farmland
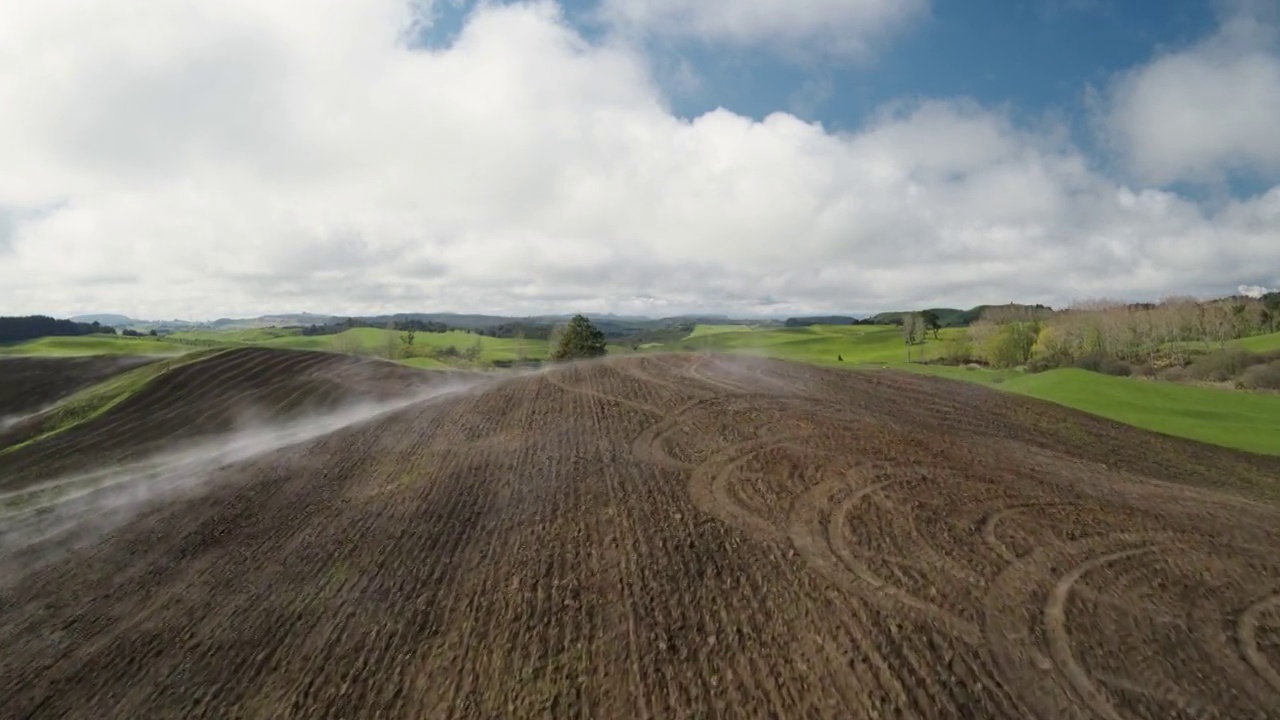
{"x":647,"y":536}
{"x":87,"y":345}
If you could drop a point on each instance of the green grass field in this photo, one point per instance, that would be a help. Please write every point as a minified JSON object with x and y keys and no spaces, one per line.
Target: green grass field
{"x":1259,"y":343}
{"x":700,"y":330}
{"x":254,"y":335}
{"x":375,"y":341}
{"x":93,"y":345}
{"x":817,"y":344}
{"x":1231,"y":418}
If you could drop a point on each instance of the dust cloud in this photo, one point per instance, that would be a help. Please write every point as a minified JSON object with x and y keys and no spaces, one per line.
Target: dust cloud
{"x":40,"y":522}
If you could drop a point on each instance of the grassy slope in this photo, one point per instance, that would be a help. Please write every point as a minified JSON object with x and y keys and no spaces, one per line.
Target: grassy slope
{"x":817,"y":344}
{"x":700,"y":330}
{"x":1260,"y":343}
{"x":373,"y":340}
{"x":254,"y":335}
{"x":1246,"y":421}
{"x":92,"y":345}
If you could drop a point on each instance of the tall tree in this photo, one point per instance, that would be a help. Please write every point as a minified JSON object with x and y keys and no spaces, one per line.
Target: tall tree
{"x":931,"y":322}
{"x":580,"y":339}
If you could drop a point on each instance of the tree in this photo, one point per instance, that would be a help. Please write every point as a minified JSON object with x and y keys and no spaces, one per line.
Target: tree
{"x":406,"y":339}
{"x":932,"y":322}
{"x":580,"y":339}
{"x":910,"y":326}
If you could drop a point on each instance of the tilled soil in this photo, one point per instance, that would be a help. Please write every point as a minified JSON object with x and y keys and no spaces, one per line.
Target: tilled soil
{"x":677,"y":536}
{"x":29,"y":384}
{"x":205,"y":398}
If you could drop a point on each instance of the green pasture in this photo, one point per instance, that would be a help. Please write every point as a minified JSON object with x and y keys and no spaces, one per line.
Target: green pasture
{"x":816,"y":344}
{"x":232,"y":337}
{"x":376,"y":341}
{"x":700,"y":330}
{"x":1230,"y":418}
{"x":93,"y":345}
{"x":1259,"y":343}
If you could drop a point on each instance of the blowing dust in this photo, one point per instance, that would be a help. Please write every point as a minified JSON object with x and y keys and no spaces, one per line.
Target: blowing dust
{"x":39,"y":523}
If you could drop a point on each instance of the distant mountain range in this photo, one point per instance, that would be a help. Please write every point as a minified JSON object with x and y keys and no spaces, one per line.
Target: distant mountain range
{"x":457,"y":320}
{"x":949,"y":317}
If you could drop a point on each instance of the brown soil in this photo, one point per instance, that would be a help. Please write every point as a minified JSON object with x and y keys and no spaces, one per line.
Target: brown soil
{"x":207,"y":398}
{"x":29,"y":384}
{"x":668,"y":536}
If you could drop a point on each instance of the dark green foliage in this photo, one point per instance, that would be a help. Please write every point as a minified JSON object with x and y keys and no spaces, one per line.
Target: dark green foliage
{"x":16,"y":329}
{"x":820,"y":320}
{"x":579,"y":340}
{"x":932,"y":322}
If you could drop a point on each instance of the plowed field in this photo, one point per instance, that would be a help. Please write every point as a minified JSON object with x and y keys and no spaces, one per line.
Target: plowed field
{"x":29,"y":384}
{"x":667,"y":536}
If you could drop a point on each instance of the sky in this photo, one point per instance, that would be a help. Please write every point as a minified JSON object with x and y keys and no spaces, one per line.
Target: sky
{"x":216,"y":158}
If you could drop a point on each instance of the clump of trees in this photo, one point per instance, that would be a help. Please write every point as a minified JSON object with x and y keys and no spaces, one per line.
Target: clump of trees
{"x":398,"y":325}
{"x":577,"y":340}
{"x":29,"y":327}
{"x":1177,"y":338}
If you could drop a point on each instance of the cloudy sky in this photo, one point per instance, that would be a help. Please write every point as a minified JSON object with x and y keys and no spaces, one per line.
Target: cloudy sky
{"x":208,"y":158}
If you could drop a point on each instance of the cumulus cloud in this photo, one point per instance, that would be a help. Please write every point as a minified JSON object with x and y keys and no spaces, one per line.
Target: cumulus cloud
{"x":1254,"y":291}
{"x":1206,"y":111}
{"x":239,"y":158}
{"x":845,"y":27}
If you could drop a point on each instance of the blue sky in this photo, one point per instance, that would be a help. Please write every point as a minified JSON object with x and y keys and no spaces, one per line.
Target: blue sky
{"x":1037,"y":56}
{"x":231,"y":157}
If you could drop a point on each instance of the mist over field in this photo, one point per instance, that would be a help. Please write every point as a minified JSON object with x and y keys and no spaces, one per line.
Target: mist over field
{"x":76,"y":510}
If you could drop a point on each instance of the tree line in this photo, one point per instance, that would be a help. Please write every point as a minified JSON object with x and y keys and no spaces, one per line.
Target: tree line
{"x":30,"y":327}
{"x":1175,"y":334}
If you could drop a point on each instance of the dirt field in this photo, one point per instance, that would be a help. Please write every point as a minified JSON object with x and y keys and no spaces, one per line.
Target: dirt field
{"x":668,"y":536}
{"x":29,"y":384}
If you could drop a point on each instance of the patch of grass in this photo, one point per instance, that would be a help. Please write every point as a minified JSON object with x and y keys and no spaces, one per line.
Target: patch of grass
{"x":96,"y":400}
{"x":1259,"y":343}
{"x":1245,"y":421}
{"x":374,"y":341}
{"x":816,"y":344}
{"x":425,"y":363}
{"x":1221,"y":417}
{"x":700,"y":330}
{"x":250,"y":335}
{"x":93,"y":345}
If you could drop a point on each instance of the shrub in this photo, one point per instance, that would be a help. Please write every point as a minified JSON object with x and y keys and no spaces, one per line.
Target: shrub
{"x":1104,"y":364}
{"x":1223,"y":365}
{"x":1146,"y":370}
{"x":1119,"y":368}
{"x":1262,"y":377}
{"x":1173,"y":374}
{"x":1041,"y":364}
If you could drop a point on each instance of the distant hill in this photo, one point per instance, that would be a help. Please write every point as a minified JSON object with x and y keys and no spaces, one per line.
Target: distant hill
{"x":818,"y":320}
{"x":105,"y":319}
{"x":951,"y":317}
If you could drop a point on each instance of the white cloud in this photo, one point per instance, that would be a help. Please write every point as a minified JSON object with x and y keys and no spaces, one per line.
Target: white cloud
{"x":1254,"y":291}
{"x":1204,"y":112}
{"x":845,"y":27}
{"x":226,"y":157}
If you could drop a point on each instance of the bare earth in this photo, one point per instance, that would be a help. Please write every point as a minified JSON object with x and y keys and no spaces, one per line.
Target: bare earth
{"x":667,"y":536}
